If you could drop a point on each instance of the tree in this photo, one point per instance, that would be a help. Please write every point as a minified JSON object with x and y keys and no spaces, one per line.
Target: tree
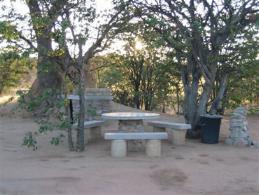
{"x":203,"y":35}
{"x":57,"y":27}
{"x":79,"y":39}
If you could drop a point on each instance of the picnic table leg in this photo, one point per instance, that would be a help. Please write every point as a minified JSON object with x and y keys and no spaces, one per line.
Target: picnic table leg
{"x":119,"y":148}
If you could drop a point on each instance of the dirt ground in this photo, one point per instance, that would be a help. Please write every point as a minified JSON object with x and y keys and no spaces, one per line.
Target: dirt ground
{"x":195,"y":168}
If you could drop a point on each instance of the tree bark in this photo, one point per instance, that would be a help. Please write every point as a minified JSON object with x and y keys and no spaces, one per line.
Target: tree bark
{"x":222,"y":88}
{"x":191,"y":76}
{"x":69,"y":115}
{"x":49,"y":75}
{"x":80,"y":128}
{"x":178,"y":98}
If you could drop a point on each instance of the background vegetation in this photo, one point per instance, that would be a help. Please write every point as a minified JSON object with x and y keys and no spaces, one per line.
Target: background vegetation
{"x":174,"y":54}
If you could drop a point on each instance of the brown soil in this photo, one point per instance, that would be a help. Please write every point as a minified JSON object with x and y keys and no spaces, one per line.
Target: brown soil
{"x":195,"y":168}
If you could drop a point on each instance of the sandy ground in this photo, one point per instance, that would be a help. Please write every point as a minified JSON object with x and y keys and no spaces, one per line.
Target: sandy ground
{"x":195,"y":168}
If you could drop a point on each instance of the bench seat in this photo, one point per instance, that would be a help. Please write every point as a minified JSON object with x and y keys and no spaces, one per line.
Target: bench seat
{"x":90,"y":124}
{"x":176,"y":131}
{"x":92,"y":130}
{"x":136,"y":136}
{"x":119,"y":144}
{"x":172,"y":125}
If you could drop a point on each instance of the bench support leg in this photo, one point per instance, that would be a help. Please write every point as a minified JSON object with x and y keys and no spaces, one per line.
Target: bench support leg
{"x":153,"y":148}
{"x":119,"y":148}
{"x":176,"y":137}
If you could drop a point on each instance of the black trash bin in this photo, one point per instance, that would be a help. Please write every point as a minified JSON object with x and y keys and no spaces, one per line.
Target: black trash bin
{"x":210,"y":126}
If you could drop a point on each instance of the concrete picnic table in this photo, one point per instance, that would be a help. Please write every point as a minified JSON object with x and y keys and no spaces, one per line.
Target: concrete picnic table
{"x":130,"y":121}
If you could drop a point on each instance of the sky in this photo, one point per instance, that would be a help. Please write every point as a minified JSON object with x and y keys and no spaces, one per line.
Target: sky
{"x":21,"y":8}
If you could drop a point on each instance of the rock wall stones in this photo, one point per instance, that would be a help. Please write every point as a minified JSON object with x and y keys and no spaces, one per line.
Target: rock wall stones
{"x":98,"y":101}
{"x":239,"y":134}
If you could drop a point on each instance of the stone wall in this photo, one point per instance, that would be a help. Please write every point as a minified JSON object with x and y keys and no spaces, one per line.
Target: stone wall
{"x":98,"y":101}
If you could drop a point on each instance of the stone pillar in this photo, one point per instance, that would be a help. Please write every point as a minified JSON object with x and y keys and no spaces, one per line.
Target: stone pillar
{"x":153,"y":148}
{"x":119,"y":148}
{"x":133,"y":126}
{"x":239,"y":135}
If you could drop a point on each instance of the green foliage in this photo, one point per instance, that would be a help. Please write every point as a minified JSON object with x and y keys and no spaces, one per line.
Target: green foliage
{"x":243,"y":87}
{"x":150,"y":74}
{"x":7,"y":31}
{"x":30,"y":141}
{"x":253,"y":110}
{"x":45,"y":127}
{"x":57,"y":140}
{"x":242,"y":64}
{"x":14,"y":67}
{"x":91,"y":111}
{"x":30,"y":103}
{"x":54,"y":118}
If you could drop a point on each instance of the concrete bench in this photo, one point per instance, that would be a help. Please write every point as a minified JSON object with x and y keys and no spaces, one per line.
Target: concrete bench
{"x":92,"y":130}
{"x":119,"y":142}
{"x":176,"y":131}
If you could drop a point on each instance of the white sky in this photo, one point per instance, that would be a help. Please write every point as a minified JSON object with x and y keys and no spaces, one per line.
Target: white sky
{"x":21,"y":8}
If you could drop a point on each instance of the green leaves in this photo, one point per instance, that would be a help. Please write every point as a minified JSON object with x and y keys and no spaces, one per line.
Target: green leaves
{"x":45,"y":127}
{"x":13,"y":68}
{"x":8,"y":31}
{"x":30,"y":141}
{"x":57,"y":140}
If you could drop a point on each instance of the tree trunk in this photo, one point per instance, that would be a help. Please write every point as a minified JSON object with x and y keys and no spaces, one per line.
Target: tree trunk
{"x":49,"y":75}
{"x":69,"y":115}
{"x":137,"y":98}
{"x":191,"y":77}
{"x":178,"y":98}
{"x":222,"y":88}
{"x":80,"y":129}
